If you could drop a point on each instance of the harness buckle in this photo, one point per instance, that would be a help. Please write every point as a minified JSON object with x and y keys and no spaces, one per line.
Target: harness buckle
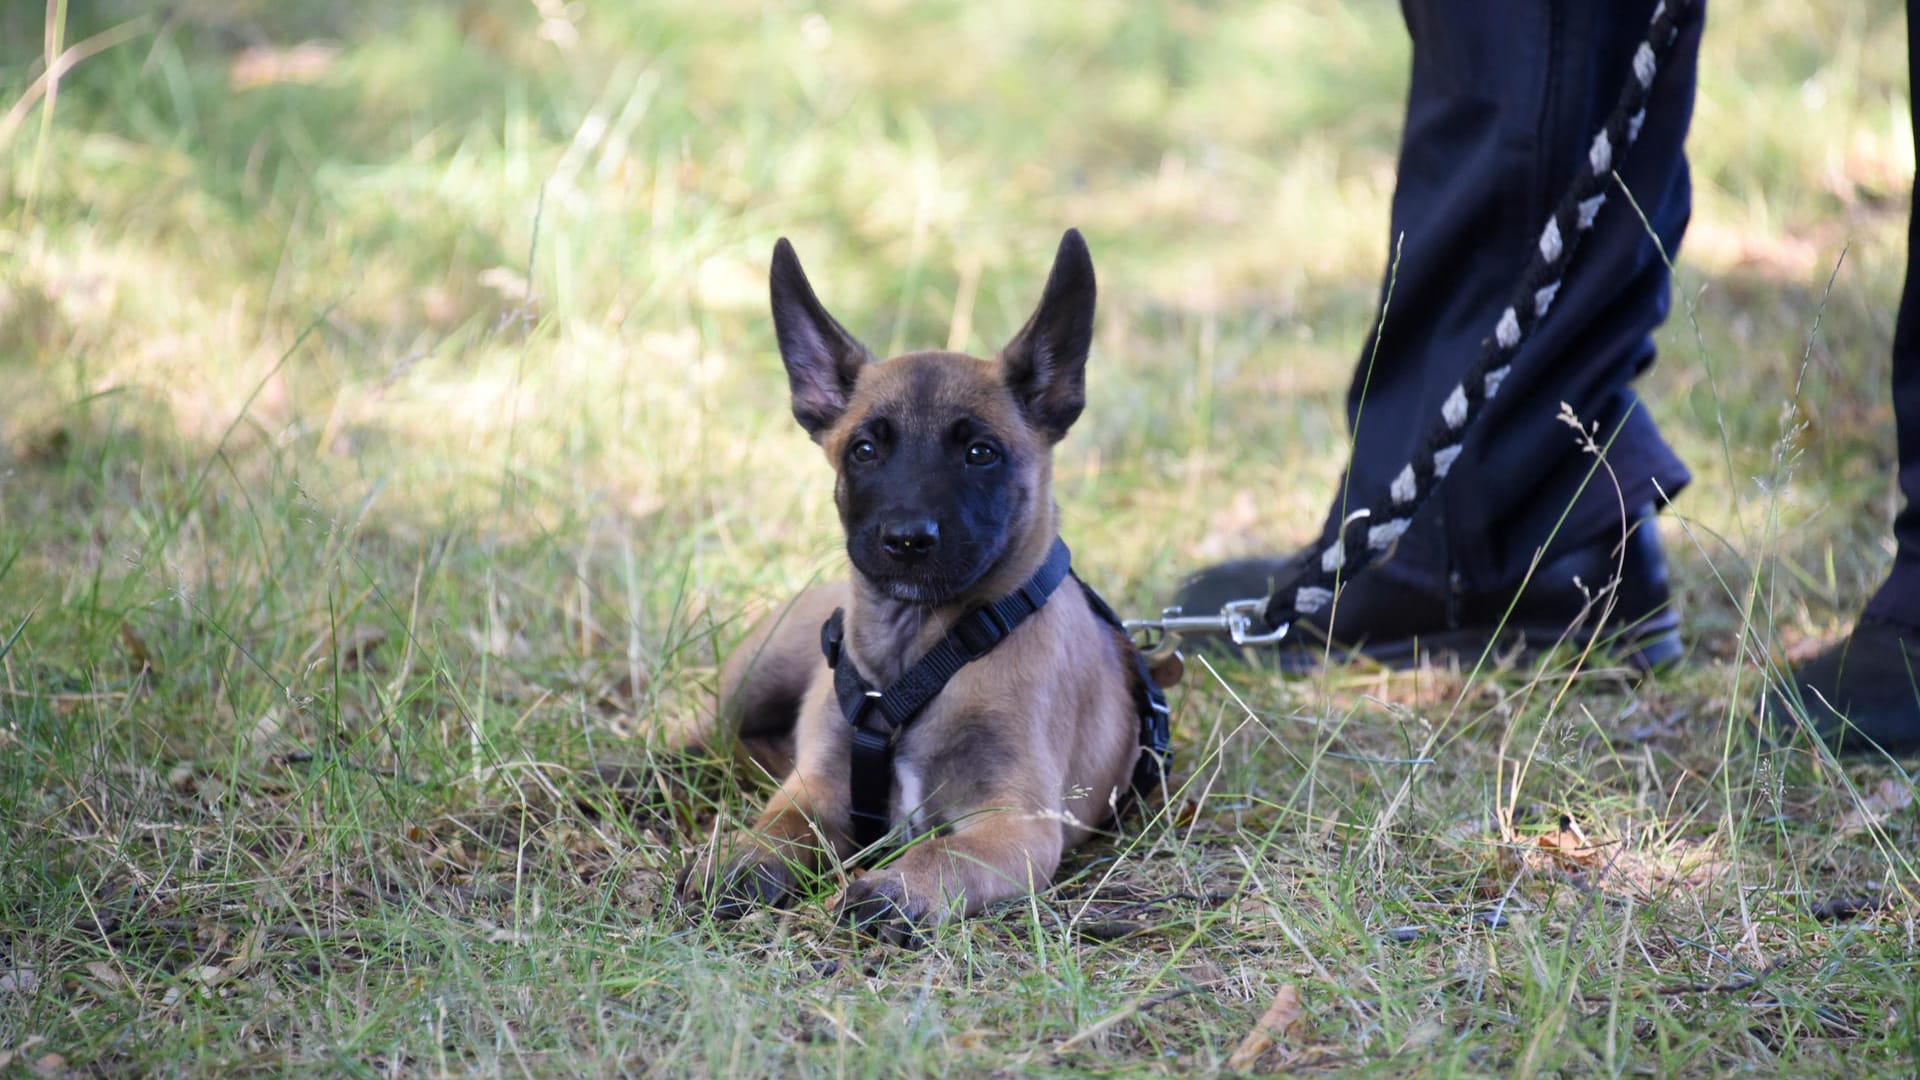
{"x":868,"y":704}
{"x":873,"y":740}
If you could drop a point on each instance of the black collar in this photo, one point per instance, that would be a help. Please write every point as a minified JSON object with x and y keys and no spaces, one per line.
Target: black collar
{"x":878,"y":716}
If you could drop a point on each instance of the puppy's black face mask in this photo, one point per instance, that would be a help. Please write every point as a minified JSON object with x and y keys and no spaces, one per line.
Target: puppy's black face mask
{"x":943,"y":459}
{"x":932,"y":492}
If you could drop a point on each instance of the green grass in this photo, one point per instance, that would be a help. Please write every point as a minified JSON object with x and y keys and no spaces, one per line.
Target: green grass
{"x":383,"y":452}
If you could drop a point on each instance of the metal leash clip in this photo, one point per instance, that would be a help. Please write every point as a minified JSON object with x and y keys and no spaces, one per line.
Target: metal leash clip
{"x":1160,"y":637}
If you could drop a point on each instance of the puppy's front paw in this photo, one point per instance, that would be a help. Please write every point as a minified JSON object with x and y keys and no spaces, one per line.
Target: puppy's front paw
{"x":730,"y":888}
{"x":888,"y":906}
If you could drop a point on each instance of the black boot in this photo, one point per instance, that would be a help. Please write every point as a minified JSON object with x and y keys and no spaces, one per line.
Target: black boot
{"x":1598,"y":592}
{"x":1860,"y":696}
{"x":1863,"y":695}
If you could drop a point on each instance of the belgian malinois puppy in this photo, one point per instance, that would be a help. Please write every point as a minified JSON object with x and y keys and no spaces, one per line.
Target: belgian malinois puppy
{"x":944,"y":465}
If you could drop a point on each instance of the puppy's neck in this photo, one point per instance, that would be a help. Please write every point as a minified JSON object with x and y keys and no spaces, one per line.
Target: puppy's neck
{"x":885,"y":635}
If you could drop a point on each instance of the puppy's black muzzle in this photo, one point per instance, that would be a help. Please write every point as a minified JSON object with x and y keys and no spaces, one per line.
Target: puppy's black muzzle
{"x":909,"y":540}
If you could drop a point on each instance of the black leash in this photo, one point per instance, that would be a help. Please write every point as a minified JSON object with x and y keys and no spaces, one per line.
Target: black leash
{"x":1367,"y":534}
{"x":879,"y":716}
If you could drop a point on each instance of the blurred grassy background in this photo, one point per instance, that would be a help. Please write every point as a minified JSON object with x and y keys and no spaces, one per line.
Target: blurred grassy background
{"x":388,"y":415}
{"x":230,"y":173}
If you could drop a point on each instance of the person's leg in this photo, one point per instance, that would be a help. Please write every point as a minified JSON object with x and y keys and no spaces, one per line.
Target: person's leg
{"x":1504,"y":105}
{"x":1865,"y":692}
{"x":1502,"y":108}
{"x":1898,"y":599}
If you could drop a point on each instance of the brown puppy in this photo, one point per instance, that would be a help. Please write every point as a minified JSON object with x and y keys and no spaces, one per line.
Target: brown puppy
{"x":944,"y":488}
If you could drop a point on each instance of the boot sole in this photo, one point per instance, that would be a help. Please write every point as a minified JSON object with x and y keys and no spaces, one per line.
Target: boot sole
{"x":1648,"y":646}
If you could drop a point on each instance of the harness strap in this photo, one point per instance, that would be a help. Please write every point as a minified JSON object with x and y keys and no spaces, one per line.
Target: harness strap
{"x":878,"y":716}
{"x":1149,"y":703}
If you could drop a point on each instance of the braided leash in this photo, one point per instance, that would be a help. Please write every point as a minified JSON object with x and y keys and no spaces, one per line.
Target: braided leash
{"x":1366,"y":535}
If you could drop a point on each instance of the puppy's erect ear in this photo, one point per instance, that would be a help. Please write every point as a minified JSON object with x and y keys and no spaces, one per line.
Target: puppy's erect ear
{"x":822,"y":359}
{"x":1046,"y":362}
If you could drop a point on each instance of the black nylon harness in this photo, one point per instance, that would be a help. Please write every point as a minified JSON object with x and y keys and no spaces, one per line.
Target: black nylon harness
{"x":878,"y":717}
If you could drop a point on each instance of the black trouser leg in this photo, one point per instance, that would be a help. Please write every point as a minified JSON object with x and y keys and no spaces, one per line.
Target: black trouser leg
{"x":1899,"y":597}
{"x":1504,"y":102}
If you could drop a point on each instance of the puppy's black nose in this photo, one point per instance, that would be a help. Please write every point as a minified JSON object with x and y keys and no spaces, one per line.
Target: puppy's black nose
{"x":909,"y":540}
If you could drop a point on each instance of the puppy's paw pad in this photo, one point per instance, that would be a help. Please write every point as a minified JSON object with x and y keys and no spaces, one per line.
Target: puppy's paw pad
{"x":882,"y":906}
{"x":736,"y":887}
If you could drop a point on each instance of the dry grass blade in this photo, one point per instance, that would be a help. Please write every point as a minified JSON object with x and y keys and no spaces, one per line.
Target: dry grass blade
{"x":67,"y":60}
{"x":1116,"y":1018}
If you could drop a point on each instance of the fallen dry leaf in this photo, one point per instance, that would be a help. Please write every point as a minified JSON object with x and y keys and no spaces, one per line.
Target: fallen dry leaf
{"x":107,"y":975}
{"x":137,"y":649}
{"x":350,"y":649}
{"x":970,"y":1039}
{"x":359,"y":642}
{"x":1876,"y":805}
{"x":1570,"y":845}
{"x":1647,"y":867}
{"x":1205,"y":973}
{"x":265,"y":65}
{"x":624,"y":694}
{"x":511,"y":284}
{"x":1637,"y":866}
{"x":266,"y":728}
{"x":1269,"y":1029}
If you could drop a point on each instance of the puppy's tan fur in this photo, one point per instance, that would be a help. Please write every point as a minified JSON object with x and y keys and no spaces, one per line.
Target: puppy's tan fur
{"x":1023,"y":751}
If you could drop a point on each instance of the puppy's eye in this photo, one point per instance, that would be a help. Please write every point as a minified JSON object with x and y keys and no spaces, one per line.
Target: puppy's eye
{"x":863,"y":451}
{"x":982,"y":454}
